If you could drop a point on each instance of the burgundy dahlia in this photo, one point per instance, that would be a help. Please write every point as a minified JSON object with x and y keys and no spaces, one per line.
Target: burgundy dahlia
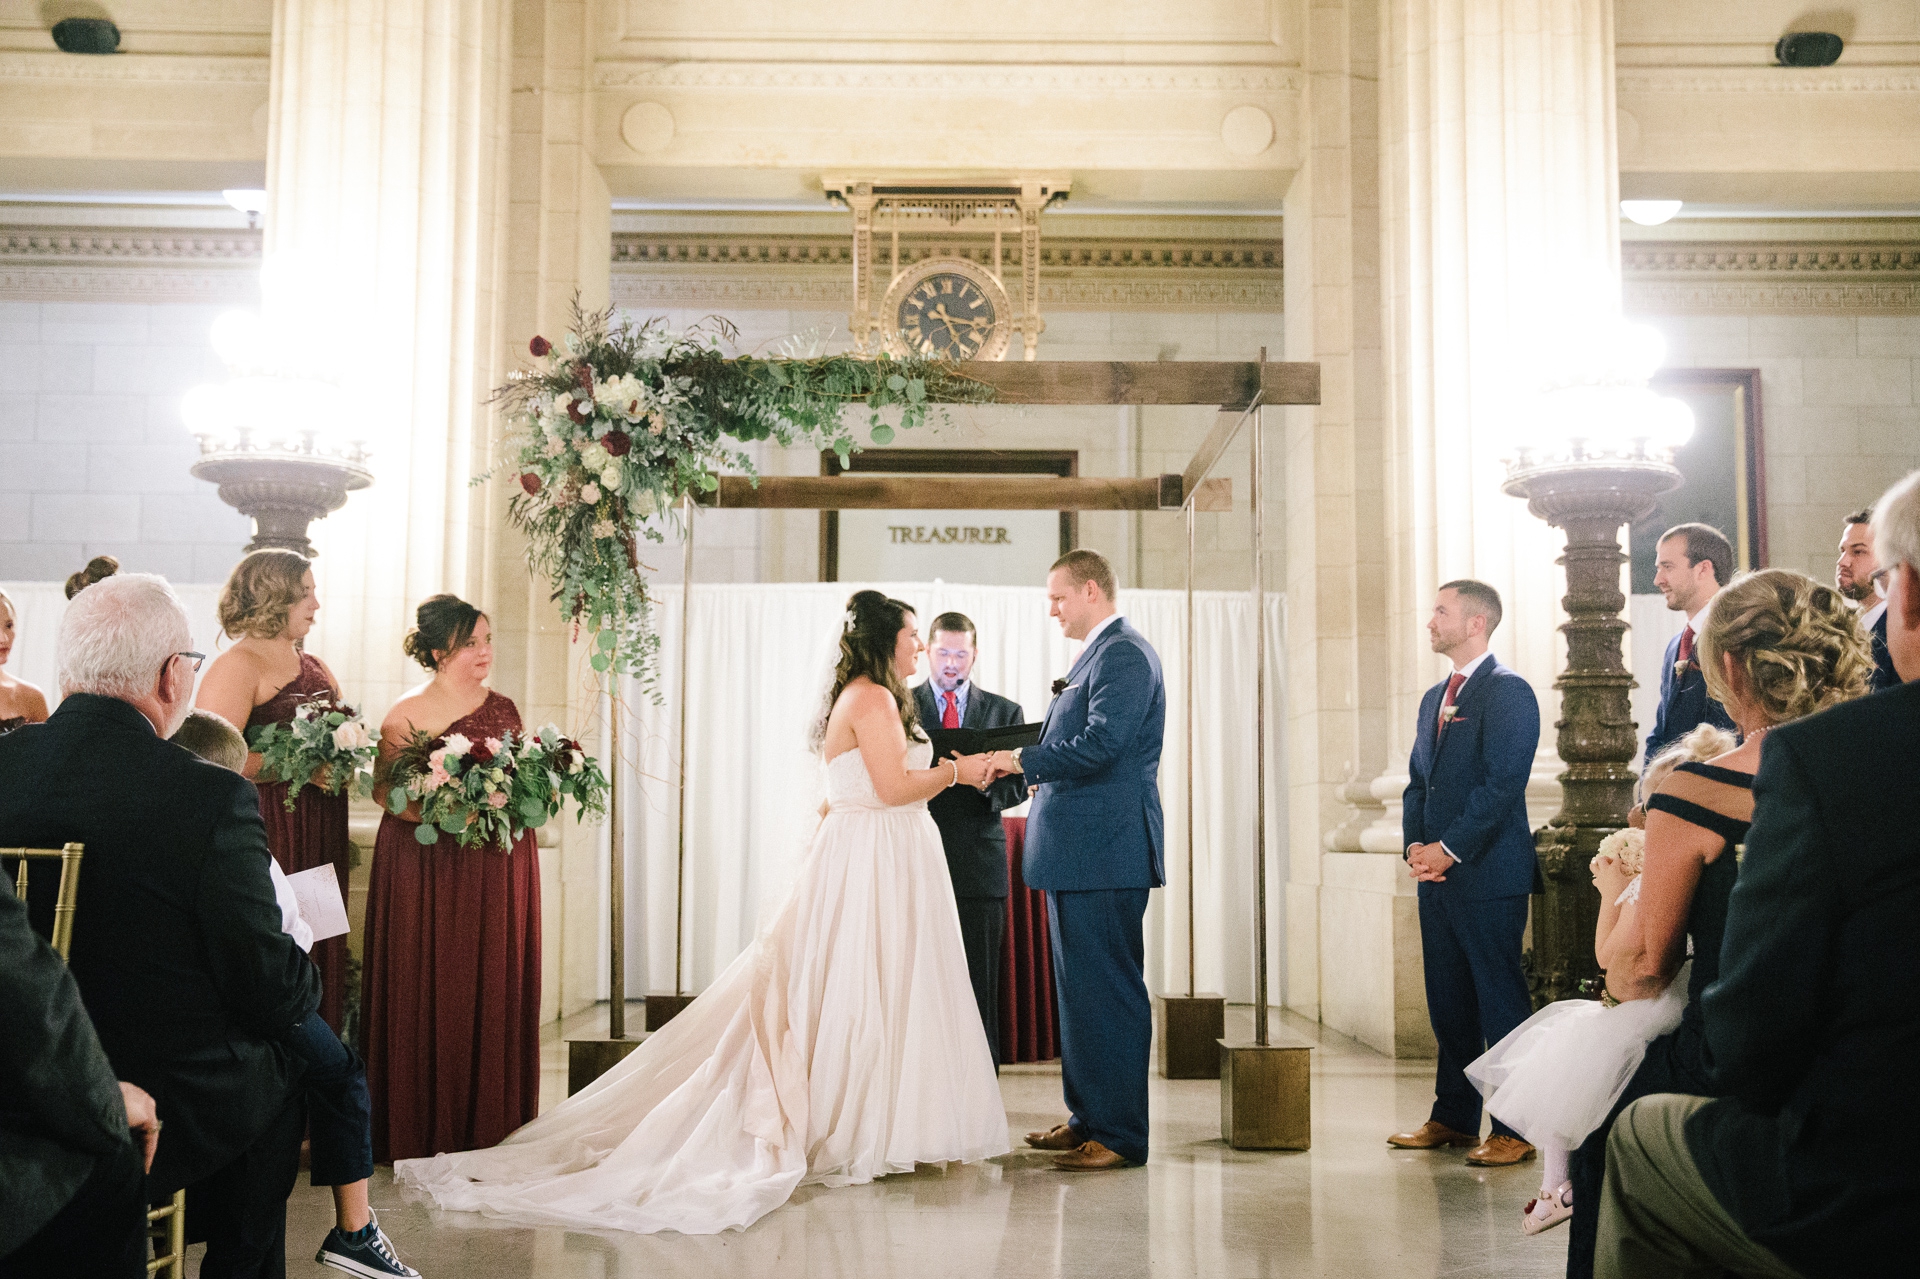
{"x":580,"y":411}
{"x":617,"y":443}
{"x":531,"y":483}
{"x":539,"y":346}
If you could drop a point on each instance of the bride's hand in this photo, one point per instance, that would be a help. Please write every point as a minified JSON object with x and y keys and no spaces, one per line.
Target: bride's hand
{"x":975,"y":770}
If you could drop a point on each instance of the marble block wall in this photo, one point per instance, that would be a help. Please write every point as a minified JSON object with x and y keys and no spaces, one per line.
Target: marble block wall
{"x":93,"y":454}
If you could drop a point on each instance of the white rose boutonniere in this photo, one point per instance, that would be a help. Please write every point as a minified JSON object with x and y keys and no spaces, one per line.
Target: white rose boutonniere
{"x":1447,"y":713}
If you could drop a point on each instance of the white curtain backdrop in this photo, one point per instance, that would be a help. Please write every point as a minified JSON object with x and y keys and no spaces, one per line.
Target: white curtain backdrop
{"x":760,"y":663}
{"x":41,"y":605}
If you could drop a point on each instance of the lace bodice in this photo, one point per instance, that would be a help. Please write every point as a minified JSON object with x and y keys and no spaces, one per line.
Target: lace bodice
{"x":850,"y":786}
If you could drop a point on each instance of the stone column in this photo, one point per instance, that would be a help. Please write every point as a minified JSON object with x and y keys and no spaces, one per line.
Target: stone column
{"x":1499,"y":238}
{"x":385,"y":219}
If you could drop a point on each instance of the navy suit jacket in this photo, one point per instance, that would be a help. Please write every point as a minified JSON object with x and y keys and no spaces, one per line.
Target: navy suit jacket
{"x":1884,"y":676}
{"x":1095,"y":822}
{"x":1684,"y":704}
{"x":1468,"y":785}
{"x":970,"y":828}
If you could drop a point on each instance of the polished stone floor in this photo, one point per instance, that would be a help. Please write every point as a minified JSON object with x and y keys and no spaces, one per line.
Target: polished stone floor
{"x":1348,"y":1207}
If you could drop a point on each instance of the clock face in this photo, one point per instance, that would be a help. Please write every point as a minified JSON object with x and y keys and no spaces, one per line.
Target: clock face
{"x":946,"y":316}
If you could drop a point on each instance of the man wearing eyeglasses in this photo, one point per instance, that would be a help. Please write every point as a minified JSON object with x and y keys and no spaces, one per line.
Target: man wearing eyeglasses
{"x":177,"y":946}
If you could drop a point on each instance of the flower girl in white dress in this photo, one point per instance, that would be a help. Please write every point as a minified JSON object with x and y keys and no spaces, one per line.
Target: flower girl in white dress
{"x":844,"y":1044}
{"x":1559,"y":1073}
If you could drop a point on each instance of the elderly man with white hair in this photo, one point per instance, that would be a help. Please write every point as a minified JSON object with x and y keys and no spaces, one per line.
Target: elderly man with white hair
{"x":177,"y":944}
{"x":1798,"y":1169}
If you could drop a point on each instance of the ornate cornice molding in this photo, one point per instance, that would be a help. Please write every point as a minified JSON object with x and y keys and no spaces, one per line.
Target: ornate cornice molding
{"x":93,"y":244}
{"x":639,"y":250}
{"x":787,"y":287}
{"x":1766,"y":80}
{"x":945,"y":77}
{"x":1723,"y":278}
{"x":61,"y":283}
{"x":1755,"y":297}
{"x":135,"y":68}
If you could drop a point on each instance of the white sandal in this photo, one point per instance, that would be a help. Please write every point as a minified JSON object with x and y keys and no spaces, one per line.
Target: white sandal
{"x":1541,"y":1215}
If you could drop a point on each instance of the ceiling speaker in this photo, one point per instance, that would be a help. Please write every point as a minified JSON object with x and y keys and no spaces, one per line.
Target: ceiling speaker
{"x":86,"y":35}
{"x":1809,"y":49}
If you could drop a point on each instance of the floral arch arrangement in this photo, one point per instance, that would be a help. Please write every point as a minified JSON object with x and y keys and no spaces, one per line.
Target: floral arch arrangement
{"x":619,"y":422}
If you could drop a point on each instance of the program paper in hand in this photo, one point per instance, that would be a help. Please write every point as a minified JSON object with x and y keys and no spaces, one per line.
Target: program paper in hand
{"x":321,"y":905}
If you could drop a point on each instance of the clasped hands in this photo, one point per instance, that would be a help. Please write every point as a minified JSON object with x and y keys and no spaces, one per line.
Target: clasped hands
{"x":982,"y":771}
{"x":1429,"y":863}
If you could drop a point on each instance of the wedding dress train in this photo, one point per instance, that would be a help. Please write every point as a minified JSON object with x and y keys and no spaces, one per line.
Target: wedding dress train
{"x":844,"y":1044}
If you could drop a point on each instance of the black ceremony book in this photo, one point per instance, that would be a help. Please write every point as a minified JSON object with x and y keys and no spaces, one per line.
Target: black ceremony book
{"x":977,"y":741}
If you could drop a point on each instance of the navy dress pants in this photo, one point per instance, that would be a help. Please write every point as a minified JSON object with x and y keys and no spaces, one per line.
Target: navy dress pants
{"x":1106,"y":1016}
{"x":1476,"y":992}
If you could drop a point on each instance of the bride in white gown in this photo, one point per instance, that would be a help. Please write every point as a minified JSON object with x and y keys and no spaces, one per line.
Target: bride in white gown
{"x":843,"y":1045}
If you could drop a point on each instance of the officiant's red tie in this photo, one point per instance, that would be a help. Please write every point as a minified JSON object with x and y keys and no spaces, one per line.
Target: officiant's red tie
{"x":950,"y":717}
{"x":1454,"y":681}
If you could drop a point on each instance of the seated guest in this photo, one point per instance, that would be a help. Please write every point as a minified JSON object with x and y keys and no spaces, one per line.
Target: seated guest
{"x":1857,"y":574}
{"x":339,"y":1116}
{"x":1776,"y":646}
{"x":20,"y":702}
{"x":1815,"y":1021}
{"x":177,"y":947}
{"x":72,"y":1194}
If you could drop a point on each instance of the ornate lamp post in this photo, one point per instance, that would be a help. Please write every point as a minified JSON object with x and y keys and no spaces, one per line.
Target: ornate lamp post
{"x":1598,"y":455}
{"x":271,"y":437}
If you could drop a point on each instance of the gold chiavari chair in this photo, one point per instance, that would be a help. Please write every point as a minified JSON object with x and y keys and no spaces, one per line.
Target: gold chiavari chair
{"x":166,"y":1227}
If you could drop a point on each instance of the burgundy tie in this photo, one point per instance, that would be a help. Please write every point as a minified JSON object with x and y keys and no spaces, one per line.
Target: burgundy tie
{"x":950,"y":717}
{"x":1454,"y":681}
{"x":1685,"y":652}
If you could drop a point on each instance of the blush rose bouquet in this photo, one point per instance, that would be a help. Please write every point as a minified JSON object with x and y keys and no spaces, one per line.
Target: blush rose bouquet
{"x":489,"y":791}
{"x":326,"y":745}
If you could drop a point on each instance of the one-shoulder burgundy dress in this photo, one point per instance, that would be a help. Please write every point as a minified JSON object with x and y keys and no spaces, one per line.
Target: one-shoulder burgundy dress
{"x":313,"y":834}
{"x":451,"y":1002}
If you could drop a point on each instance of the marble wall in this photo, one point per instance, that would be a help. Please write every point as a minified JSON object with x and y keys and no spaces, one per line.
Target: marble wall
{"x":93,"y":454}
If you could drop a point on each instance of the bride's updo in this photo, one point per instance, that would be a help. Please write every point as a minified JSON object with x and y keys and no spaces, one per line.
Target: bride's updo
{"x":870,"y":631}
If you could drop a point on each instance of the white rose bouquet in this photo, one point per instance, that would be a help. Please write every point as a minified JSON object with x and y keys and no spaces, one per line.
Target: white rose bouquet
{"x":326,"y":745}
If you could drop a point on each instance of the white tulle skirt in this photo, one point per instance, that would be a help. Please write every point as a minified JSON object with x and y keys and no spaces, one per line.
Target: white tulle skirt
{"x":843,"y":1045}
{"x":1559,"y":1073}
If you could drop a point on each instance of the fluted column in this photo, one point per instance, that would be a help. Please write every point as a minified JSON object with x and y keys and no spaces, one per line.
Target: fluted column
{"x":386,"y":185}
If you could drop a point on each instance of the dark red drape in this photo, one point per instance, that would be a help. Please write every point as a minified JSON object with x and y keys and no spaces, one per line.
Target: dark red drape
{"x":1027,"y":1028}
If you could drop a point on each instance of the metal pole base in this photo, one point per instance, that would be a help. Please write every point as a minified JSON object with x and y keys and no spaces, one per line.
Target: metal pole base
{"x":662,"y":1009}
{"x":1266,"y":1096}
{"x":1191,"y":1027}
{"x":590,"y":1058}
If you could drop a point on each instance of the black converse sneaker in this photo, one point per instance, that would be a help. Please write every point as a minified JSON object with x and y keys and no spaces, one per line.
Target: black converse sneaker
{"x":369,"y":1252}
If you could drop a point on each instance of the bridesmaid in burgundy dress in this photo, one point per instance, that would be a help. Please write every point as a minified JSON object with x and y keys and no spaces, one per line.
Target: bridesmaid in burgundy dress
{"x":451,"y":999}
{"x":268,"y":607}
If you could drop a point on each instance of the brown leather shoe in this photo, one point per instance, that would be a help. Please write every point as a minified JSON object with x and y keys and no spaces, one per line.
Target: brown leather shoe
{"x":1500,"y":1152}
{"x":1062,"y":1137}
{"x":1430,"y":1135}
{"x":1090,"y":1157}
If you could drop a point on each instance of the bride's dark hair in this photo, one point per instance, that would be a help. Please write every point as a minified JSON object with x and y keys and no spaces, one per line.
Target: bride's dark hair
{"x":868,"y":637}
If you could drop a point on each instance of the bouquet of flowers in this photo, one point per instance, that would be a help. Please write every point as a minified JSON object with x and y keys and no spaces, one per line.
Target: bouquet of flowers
{"x":487,"y":792}
{"x":326,"y":744}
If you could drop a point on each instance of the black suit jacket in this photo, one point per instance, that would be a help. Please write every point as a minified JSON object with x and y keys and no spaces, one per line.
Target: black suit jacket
{"x":1814,"y":1024}
{"x":60,"y":1109}
{"x":969,"y":822}
{"x":177,"y":946}
{"x":1884,"y":675}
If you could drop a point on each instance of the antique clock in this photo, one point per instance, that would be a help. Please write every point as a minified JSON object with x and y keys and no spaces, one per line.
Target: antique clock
{"x":947,"y":308}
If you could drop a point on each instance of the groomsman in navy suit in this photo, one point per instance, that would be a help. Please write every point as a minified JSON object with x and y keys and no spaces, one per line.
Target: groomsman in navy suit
{"x":1469,"y":845}
{"x":1858,"y":575}
{"x":1692,"y":562}
{"x":1094,"y":844}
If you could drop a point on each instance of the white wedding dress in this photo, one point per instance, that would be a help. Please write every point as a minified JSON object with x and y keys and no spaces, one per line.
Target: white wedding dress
{"x":843,"y":1045}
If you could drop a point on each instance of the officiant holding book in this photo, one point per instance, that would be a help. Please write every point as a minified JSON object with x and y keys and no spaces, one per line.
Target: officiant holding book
{"x":969,"y":819}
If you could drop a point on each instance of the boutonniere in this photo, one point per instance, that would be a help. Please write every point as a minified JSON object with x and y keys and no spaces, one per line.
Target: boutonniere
{"x":1060,"y":686}
{"x":1680,"y":669}
{"x":1447,"y":713}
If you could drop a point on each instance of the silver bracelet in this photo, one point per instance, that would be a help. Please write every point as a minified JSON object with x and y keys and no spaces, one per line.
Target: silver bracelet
{"x":956,"y":772}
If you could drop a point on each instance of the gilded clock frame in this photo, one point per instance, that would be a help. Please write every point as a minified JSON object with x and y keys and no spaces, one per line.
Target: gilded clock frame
{"x":998,"y":339}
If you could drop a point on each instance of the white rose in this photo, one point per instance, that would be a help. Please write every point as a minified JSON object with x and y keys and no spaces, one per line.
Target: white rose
{"x":573,"y":762}
{"x":595,"y":456}
{"x":349,"y":736}
{"x":610,"y":478}
{"x":459,"y":744}
{"x":589,"y":493}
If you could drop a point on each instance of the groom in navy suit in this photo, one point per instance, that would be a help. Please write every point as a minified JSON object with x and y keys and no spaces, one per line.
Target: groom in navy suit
{"x":1468,"y":843}
{"x":1094,"y":844}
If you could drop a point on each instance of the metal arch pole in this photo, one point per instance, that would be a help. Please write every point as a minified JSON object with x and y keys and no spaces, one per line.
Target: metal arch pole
{"x":1190,"y":663}
{"x":616,"y":869}
{"x":1259,"y":749}
{"x":680,"y":835}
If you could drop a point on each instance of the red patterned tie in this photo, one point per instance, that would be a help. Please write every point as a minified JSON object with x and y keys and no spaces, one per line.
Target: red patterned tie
{"x":1684,"y":653}
{"x":1454,"y":681}
{"x":950,"y":717}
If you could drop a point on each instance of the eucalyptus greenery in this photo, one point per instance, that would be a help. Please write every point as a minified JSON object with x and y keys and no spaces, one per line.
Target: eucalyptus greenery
{"x":619,"y":422}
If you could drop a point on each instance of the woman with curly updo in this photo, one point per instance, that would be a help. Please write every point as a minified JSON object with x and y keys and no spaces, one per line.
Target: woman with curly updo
{"x":843,"y":1045}
{"x":267,"y":608}
{"x":1777,"y":646}
{"x":450,"y":1002}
